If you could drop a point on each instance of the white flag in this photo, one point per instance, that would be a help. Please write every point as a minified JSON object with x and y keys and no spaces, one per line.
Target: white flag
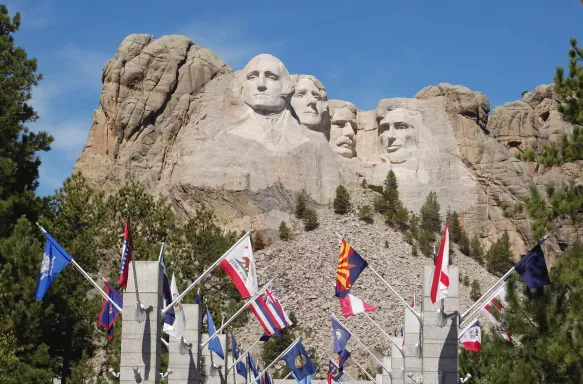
{"x":176,"y":329}
{"x":440,"y":281}
{"x":239,"y":264}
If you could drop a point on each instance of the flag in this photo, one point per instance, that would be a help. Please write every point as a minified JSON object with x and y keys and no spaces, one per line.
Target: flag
{"x":533,"y":268}
{"x":197,"y":299}
{"x":55,"y":258}
{"x":352,"y":305}
{"x":471,"y":337}
{"x":176,"y":329}
{"x":266,"y":337}
{"x":440,"y":282}
{"x":342,"y":357}
{"x":108,"y":311}
{"x":265,"y":379}
{"x":306,"y":380}
{"x":239,"y":264}
{"x":241,"y":369}
{"x":350,"y":265}
{"x":269,"y":311}
{"x":334,"y":373}
{"x":299,"y":362}
{"x":215,"y":344}
{"x":340,"y":335}
{"x":252,"y":365}
{"x":497,"y":303}
{"x":127,"y":254}
{"x":166,"y":293}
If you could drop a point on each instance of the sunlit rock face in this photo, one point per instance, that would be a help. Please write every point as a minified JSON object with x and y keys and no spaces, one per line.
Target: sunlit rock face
{"x":175,"y":118}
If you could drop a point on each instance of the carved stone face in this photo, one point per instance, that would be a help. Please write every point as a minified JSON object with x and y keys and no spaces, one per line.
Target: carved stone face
{"x":307,"y":103}
{"x":397,"y":134}
{"x":342,"y":132}
{"x":266,"y":82}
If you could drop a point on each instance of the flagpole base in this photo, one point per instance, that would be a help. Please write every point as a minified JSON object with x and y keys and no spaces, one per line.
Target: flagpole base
{"x":440,"y":319}
{"x":140,"y":313}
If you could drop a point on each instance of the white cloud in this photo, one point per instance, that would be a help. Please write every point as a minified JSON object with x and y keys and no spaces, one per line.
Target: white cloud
{"x":83,"y":66}
{"x":229,"y":39}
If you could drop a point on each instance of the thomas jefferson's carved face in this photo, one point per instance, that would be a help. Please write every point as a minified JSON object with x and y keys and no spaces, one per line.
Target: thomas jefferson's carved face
{"x":398,"y":136}
{"x":265,"y":84}
{"x":307,"y":103}
{"x":342,"y":132}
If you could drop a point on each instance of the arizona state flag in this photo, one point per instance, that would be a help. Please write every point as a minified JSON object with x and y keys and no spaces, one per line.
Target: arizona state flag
{"x":350,"y":265}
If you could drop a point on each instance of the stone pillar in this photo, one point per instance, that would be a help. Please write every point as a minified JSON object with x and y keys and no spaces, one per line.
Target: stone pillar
{"x":386,"y":377}
{"x":413,"y":362}
{"x":140,"y":342}
{"x":210,"y":374}
{"x":185,"y":367}
{"x":396,"y":362}
{"x":440,"y":344}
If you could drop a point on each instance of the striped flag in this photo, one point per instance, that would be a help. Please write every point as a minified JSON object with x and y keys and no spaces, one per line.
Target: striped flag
{"x":352,"y":305}
{"x":471,"y":337}
{"x":497,"y":303}
{"x":440,"y":284}
{"x":126,"y":255}
{"x":269,"y":312}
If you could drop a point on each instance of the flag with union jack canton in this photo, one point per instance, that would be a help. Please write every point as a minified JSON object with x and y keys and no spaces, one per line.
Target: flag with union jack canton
{"x":126,"y":255}
{"x":269,"y":312}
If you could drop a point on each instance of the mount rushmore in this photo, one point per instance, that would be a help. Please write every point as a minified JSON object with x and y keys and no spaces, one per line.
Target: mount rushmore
{"x":175,"y":118}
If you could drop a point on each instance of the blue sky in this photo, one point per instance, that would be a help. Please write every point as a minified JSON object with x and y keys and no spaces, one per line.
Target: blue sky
{"x":363,"y":51}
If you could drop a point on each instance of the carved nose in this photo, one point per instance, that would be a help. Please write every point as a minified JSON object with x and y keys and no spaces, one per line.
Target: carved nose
{"x":261,"y":83}
{"x":347,"y":130}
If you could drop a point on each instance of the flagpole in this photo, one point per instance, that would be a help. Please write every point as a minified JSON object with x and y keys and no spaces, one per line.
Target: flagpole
{"x":251,"y":300}
{"x":276,"y":359}
{"x":166,"y":344}
{"x":285,"y":378}
{"x":161,"y":252}
{"x":203,"y":275}
{"x":78,"y":267}
{"x":140,"y":310}
{"x":363,"y":370}
{"x":244,"y":353}
{"x":364,"y":346}
{"x":343,"y":373}
{"x":417,"y":315}
{"x":387,"y":335}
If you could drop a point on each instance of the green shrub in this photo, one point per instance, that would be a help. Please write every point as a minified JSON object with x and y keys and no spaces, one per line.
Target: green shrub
{"x":284,"y":231}
{"x":342,"y":200}
{"x":300,"y":207}
{"x":365,"y":213}
{"x":475,"y":292}
{"x":310,"y":219}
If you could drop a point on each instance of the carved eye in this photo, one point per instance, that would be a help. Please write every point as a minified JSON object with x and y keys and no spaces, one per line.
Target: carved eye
{"x":317,"y":96}
{"x":299,"y":95}
{"x":401,"y":125}
{"x":252,"y":76}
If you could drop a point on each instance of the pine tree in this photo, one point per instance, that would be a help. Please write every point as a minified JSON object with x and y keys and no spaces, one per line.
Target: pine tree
{"x":19,"y":161}
{"x":365,"y":213}
{"x":300,"y":207}
{"x":414,"y":225}
{"x":284,"y":231}
{"x":430,"y":217}
{"x":257,"y":242}
{"x":464,"y":243}
{"x":570,"y":88}
{"x":342,"y":200}
{"x":455,"y":228}
{"x":310,"y":219}
{"x":476,"y":251}
{"x":499,"y":257}
{"x":475,"y":292}
{"x":425,"y":243}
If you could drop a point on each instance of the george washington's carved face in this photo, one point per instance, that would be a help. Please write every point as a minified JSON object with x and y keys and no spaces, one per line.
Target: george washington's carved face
{"x":265,"y":84}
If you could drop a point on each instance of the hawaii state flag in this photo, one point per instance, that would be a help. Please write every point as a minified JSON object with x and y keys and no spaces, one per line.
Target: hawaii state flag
{"x":471,"y":337}
{"x":239,"y":264}
{"x":440,"y":282}
{"x":350,"y":265}
{"x":109,"y":312}
{"x":268,"y":310}
{"x":352,"y":305}
{"x":126,"y":255}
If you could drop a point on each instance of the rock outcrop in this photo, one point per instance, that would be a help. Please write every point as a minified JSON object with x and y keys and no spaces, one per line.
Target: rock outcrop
{"x":174,"y":117}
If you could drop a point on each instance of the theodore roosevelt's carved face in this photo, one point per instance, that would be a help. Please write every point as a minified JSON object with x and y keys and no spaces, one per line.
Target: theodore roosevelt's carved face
{"x":266,"y":84}
{"x":307,"y":102}
{"x":398,"y":136}
{"x":342,"y":131}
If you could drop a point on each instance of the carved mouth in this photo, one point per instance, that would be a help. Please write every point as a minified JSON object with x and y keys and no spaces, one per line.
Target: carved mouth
{"x":393,"y":148}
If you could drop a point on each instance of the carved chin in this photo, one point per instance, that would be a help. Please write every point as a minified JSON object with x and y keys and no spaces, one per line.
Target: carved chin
{"x":310,"y":120}
{"x":344,"y":152}
{"x":397,"y":157}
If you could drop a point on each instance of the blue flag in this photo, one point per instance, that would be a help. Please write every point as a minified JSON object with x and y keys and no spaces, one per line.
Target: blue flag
{"x":340,"y":335}
{"x":266,"y":379}
{"x":241,"y":369}
{"x":197,"y":300}
{"x":342,"y":357}
{"x":215,"y":344}
{"x":55,"y":258}
{"x":334,"y":373}
{"x":266,"y":337}
{"x":170,"y":316}
{"x":252,"y":365}
{"x":108,"y":311}
{"x":533,"y":268}
{"x":299,"y":362}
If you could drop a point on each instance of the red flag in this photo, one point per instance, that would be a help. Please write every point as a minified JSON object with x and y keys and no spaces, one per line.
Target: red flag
{"x":440,"y":282}
{"x":126,"y":255}
{"x":352,"y":305}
